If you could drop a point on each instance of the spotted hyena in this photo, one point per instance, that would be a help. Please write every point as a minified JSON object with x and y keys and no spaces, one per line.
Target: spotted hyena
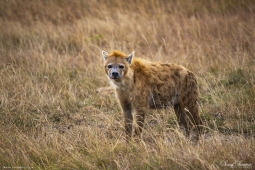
{"x":141,"y":85}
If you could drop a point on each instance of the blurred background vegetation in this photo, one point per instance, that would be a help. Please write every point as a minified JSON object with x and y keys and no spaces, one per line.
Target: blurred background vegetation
{"x":52,"y":116}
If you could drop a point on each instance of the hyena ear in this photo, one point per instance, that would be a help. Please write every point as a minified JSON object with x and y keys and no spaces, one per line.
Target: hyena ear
{"x":105,"y":55}
{"x":130,"y":58}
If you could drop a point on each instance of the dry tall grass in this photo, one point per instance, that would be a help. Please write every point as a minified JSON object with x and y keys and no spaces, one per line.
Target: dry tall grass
{"x":53,"y":118}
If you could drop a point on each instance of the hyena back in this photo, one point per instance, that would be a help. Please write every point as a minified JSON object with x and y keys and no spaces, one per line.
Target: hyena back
{"x":141,"y":85}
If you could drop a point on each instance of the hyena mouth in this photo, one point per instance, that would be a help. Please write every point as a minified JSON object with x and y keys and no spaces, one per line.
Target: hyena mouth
{"x":115,"y":78}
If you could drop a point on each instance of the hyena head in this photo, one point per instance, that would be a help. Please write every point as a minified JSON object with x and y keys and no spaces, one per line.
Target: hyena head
{"x":117,"y":64}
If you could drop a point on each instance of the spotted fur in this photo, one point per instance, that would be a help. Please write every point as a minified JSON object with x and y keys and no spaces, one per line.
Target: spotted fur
{"x":143,"y":84}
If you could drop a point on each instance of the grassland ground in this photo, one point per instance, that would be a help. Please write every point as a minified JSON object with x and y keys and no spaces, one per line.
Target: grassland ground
{"x":52,"y":116}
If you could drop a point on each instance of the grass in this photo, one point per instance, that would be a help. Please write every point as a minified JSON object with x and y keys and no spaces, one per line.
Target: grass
{"x":52,"y":116}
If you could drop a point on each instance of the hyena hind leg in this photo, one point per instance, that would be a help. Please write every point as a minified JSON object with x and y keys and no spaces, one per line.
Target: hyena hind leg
{"x":182,"y":118}
{"x":188,"y":102}
{"x":194,"y":116}
{"x":194,"y":119}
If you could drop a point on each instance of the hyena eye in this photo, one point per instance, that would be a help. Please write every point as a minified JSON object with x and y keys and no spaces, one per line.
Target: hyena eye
{"x":121,"y":66}
{"x":109,"y":66}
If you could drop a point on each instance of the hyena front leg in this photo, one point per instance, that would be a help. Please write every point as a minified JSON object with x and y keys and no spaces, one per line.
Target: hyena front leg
{"x":128,"y":121}
{"x":141,"y":108}
{"x":140,"y":116}
{"x":127,"y":113}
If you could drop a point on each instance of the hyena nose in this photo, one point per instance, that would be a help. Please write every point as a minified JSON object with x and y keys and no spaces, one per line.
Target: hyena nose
{"x":115,"y":74}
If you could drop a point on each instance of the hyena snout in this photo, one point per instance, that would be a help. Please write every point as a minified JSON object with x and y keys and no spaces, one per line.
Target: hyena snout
{"x":115,"y":75}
